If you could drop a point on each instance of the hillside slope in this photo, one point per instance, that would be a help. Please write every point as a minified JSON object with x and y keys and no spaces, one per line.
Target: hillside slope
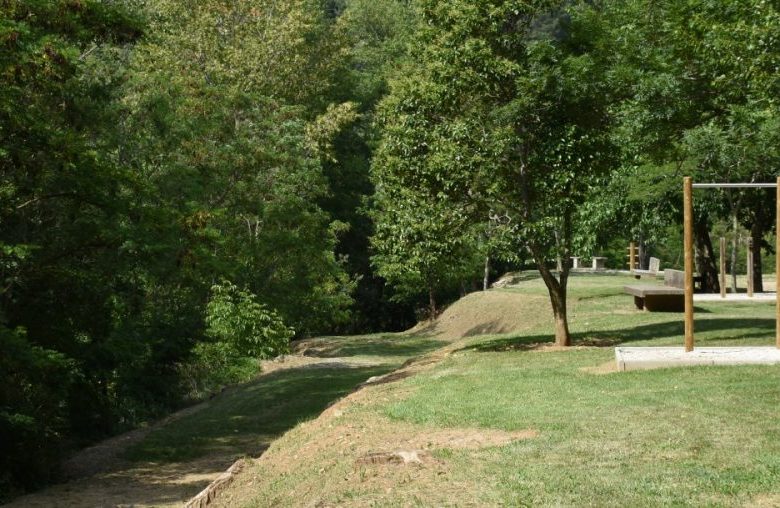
{"x":180,"y":457}
{"x":495,"y":420}
{"x":488,"y":312}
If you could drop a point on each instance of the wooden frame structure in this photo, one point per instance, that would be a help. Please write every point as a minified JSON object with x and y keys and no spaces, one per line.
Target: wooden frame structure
{"x":688,"y":187}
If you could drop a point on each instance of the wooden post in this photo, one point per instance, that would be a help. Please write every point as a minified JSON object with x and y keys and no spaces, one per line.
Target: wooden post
{"x":750,"y":268}
{"x":631,"y":257}
{"x":722,"y":267}
{"x":777,"y":269}
{"x":688,"y":246}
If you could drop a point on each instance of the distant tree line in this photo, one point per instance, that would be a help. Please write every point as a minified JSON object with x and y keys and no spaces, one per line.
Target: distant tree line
{"x":182,"y":186}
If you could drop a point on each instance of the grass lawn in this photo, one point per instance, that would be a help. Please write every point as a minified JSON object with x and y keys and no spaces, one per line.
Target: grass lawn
{"x":703,"y":436}
{"x":666,"y":437}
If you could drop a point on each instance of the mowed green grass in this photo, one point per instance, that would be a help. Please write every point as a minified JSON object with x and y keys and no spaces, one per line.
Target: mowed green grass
{"x":705,"y":436}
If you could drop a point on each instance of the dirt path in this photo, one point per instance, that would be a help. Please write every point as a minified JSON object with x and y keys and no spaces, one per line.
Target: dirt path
{"x":142,"y":484}
{"x":99,"y":475}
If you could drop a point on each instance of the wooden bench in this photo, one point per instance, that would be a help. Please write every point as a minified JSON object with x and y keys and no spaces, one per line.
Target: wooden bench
{"x":657,"y":298}
{"x":655,"y":266}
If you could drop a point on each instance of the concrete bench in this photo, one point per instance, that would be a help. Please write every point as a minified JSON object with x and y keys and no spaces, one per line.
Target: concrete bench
{"x":599,"y":263}
{"x":655,"y":266}
{"x":657,"y":298}
{"x":676,"y":279}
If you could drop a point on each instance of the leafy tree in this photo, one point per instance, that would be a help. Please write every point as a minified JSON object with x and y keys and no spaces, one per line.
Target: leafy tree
{"x":419,"y":244}
{"x":234,"y":317}
{"x":695,"y":99}
{"x":505,"y":108}
{"x":61,"y":208}
{"x":376,"y":33}
{"x":233,"y":153}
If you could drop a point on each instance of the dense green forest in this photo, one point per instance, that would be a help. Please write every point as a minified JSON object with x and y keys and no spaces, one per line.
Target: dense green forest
{"x":186,"y":185}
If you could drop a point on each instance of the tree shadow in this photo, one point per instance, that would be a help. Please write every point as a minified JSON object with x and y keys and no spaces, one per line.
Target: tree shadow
{"x":742,"y":328}
{"x":493,"y":327}
{"x":382,"y":345}
{"x":252,"y":415}
{"x":176,"y":461}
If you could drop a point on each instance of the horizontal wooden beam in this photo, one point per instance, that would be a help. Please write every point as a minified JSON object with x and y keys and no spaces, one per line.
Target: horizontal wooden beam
{"x":734,"y":185}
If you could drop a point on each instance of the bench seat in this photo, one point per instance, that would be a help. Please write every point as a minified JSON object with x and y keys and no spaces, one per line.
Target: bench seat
{"x":657,"y":298}
{"x":639,"y":273}
{"x":655,"y":266}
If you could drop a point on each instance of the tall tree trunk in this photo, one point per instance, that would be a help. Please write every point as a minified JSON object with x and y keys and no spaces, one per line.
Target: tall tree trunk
{"x":705,"y":257}
{"x":486,"y":278}
{"x":556,"y":287}
{"x":757,"y":235}
{"x":735,"y":205}
{"x":734,"y":244}
{"x":557,"y":290}
{"x":642,"y":254}
{"x":562,"y":335}
{"x":432,"y":301}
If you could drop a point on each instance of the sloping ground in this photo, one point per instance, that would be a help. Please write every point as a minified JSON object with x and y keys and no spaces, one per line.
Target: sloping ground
{"x":499,"y":420}
{"x":472,"y":419}
{"x":490,"y":312}
{"x":168,"y":463}
{"x":171,"y":463}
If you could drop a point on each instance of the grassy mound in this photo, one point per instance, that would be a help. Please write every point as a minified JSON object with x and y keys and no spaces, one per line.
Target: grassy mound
{"x":488,"y":312}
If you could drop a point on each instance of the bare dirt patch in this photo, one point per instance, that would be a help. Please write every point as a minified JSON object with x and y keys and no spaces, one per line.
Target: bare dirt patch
{"x":399,"y":457}
{"x":297,"y":362}
{"x":469,"y":438}
{"x":145,"y":484}
{"x":416,"y":443}
{"x":600,"y":370}
{"x":765,"y":501}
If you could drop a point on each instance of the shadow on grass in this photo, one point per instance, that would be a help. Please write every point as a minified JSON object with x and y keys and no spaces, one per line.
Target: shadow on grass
{"x":742,"y":328}
{"x":390,"y":345}
{"x":486,"y":329}
{"x":246,"y":419}
{"x":606,"y":292}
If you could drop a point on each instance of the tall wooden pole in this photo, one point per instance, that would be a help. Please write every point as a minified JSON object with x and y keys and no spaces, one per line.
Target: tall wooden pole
{"x":688,"y":245}
{"x":722,"y":267}
{"x":750,"y":268}
{"x":777,"y":269}
{"x":631,"y":257}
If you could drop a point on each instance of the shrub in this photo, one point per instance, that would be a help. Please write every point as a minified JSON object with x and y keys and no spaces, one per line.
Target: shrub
{"x":234,"y":317}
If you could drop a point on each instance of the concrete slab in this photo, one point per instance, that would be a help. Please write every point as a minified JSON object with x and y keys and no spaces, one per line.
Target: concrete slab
{"x":639,"y":358}
{"x":735,"y":297}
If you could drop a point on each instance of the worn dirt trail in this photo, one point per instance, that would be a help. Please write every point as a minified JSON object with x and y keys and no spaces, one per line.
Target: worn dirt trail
{"x":100,"y":476}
